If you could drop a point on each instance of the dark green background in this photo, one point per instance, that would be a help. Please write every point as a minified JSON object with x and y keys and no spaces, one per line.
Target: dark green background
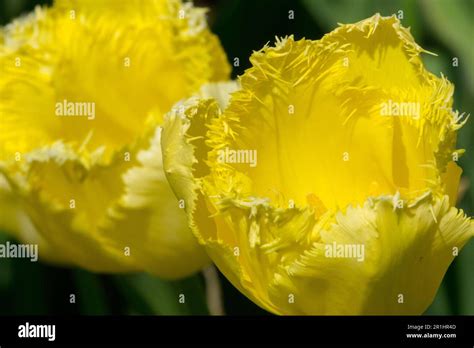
{"x":441,"y":26}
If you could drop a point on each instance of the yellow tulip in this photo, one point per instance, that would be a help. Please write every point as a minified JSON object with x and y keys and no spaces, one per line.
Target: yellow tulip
{"x":83,"y":86}
{"x":328,"y":183}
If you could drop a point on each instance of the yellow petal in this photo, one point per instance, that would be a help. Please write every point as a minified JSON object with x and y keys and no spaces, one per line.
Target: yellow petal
{"x":151,"y":222}
{"x":65,"y":200}
{"x":406,"y":254}
{"x":15,"y":221}
{"x":125,"y":64}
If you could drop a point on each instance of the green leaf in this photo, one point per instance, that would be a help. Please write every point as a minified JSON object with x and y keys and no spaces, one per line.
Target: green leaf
{"x":6,"y":270}
{"x":464,"y":265}
{"x":27,"y":289}
{"x":452,"y":23}
{"x":441,"y":304}
{"x":330,"y":12}
{"x":91,"y":297}
{"x":150,"y":295}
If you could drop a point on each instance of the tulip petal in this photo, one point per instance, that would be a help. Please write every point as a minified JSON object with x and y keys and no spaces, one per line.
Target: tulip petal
{"x":407,"y":253}
{"x":151,"y":214}
{"x":50,"y":183}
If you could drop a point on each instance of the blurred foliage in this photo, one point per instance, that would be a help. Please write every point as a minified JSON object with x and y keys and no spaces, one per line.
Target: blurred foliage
{"x":444,"y":27}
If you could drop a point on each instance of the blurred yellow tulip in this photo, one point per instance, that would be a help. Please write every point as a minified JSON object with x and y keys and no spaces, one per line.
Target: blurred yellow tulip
{"x":83,"y":86}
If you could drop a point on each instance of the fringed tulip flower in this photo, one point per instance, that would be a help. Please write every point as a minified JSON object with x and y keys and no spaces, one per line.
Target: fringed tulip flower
{"x":83,"y":86}
{"x":327,"y":185}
